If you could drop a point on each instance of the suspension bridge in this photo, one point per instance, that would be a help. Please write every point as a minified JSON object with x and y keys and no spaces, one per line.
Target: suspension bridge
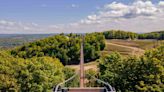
{"x":61,"y":86}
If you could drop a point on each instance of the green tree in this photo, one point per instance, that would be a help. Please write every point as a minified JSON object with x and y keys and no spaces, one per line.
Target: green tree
{"x":119,"y":34}
{"x":64,"y":47}
{"x":90,"y":74}
{"x":38,"y":74}
{"x":145,"y":73}
{"x":68,"y":73}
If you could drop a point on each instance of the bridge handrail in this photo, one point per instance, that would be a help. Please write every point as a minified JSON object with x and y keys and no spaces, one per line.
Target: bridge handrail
{"x":56,"y":88}
{"x":104,"y":83}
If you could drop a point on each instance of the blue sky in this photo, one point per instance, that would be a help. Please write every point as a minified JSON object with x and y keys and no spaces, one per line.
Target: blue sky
{"x":61,"y":13}
{"x":50,"y":11}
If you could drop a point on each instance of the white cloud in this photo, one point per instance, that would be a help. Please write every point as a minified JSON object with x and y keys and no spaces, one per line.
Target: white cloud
{"x":9,"y":27}
{"x":74,"y":6}
{"x":138,"y":8}
{"x":34,"y":24}
{"x":115,"y":6}
{"x":4,"y":22}
{"x":92,"y":17}
{"x":26,"y":28}
{"x":139,"y":16}
{"x":53,"y":26}
{"x":161,"y":3}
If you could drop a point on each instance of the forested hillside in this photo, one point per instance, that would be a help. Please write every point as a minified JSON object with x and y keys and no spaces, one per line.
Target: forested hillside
{"x":119,"y":34}
{"x":64,"y":47}
{"x":153,"y":35}
{"x":12,"y":40}
{"x":8,"y":41}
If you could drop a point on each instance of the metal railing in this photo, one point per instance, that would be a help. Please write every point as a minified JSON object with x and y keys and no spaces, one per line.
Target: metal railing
{"x":56,"y":88}
{"x":109,"y":88}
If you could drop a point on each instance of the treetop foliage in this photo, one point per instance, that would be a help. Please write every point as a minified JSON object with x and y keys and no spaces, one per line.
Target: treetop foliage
{"x":145,"y":73}
{"x":119,"y":34}
{"x":64,"y":47}
{"x":36,"y":74}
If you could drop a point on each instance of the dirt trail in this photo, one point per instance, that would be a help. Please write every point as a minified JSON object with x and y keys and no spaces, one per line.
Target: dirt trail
{"x":134,"y":49}
{"x":86,"y":67}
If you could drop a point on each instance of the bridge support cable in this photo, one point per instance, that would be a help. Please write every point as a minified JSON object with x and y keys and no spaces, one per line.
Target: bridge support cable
{"x":56,"y":88}
{"x":107,"y":86}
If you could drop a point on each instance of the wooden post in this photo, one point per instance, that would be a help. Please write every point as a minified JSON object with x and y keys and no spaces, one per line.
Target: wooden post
{"x":82,"y":65}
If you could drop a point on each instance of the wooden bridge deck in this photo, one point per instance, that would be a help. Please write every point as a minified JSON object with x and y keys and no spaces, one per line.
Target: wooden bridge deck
{"x":82,"y":77}
{"x":94,"y":89}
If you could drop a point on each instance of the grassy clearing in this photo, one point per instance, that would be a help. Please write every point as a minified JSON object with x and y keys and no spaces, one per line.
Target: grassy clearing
{"x":142,"y":44}
{"x":124,"y":47}
{"x":130,"y":47}
{"x":91,"y":63}
{"x":87,"y":66}
{"x":114,"y":47}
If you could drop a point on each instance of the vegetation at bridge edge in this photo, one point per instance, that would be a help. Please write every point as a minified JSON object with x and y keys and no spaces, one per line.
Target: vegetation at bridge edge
{"x":145,"y":73}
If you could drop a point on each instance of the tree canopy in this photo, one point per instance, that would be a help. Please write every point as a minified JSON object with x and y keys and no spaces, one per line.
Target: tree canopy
{"x":38,"y":74}
{"x":119,"y":34}
{"x":64,"y":47}
{"x":153,"y":35}
{"x":145,"y":73}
